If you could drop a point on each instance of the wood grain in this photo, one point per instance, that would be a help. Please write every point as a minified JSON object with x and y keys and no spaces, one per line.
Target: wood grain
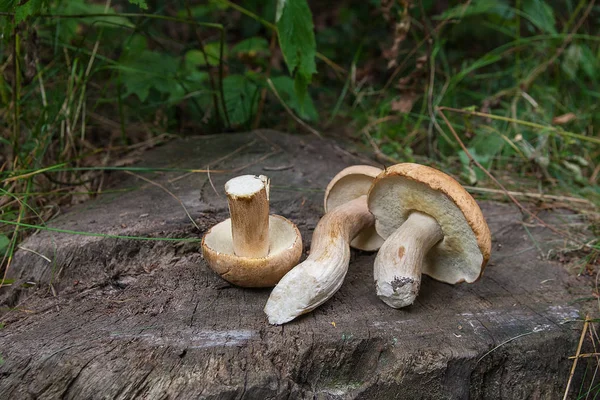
{"x":150,"y":320}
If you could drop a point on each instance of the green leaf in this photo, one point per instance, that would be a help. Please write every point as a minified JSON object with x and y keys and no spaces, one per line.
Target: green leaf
{"x":477,"y":7}
{"x":140,"y":3}
{"x":251,"y":45}
{"x":4,"y":242}
{"x":301,"y":88}
{"x":203,"y":10}
{"x":540,"y":14}
{"x":241,"y":98}
{"x":76,"y":7}
{"x":571,"y":60}
{"x":147,"y":69}
{"x":297,"y":42}
{"x":196,"y":57}
{"x":8,"y":5}
{"x":305,"y":109}
{"x":471,"y":173}
{"x":134,"y":45}
{"x":27,"y":9}
{"x":589,"y":63}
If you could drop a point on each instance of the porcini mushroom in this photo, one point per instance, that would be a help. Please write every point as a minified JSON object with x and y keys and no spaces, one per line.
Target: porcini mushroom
{"x":347,"y":221}
{"x":431,"y":225}
{"x":252,"y":248}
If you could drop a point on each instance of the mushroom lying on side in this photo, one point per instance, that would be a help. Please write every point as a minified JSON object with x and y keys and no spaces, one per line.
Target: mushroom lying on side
{"x":347,"y":222}
{"x":431,"y":225}
{"x":252,"y":248}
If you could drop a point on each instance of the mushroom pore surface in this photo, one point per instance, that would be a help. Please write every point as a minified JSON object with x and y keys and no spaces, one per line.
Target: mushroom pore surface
{"x":457,"y":257}
{"x":349,"y":184}
{"x":281,"y":236}
{"x":285,"y":251}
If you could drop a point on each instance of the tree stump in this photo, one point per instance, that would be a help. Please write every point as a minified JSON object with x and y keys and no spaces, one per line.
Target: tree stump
{"x":122,"y":319}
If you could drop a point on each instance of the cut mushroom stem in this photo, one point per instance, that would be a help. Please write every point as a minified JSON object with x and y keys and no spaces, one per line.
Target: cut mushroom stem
{"x":248,"y":198}
{"x":315,"y":280}
{"x":399,"y":263}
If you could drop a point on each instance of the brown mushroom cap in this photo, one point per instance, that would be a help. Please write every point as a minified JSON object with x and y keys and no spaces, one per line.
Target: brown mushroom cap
{"x":404,"y":188}
{"x":350,"y":184}
{"x":285,"y":249}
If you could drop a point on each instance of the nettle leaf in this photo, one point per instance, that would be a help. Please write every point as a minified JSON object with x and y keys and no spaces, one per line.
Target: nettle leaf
{"x":540,"y":14}
{"x":140,"y":3}
{"x":297,"y":42}
{"x":251,"y":46}
{"x":305,"y":109}
{"x":241,"y":97}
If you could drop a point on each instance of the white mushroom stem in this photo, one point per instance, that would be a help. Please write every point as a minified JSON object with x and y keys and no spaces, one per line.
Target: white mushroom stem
{"x":248,"y":198}
{"x":314,"y":281}
{"x":399,"y":263}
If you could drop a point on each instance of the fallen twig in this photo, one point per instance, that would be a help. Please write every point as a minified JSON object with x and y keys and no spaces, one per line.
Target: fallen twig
{"x":583,"y":332}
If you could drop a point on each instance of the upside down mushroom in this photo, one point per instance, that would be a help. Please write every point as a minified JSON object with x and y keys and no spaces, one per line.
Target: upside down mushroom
{"x":252,"y":248}
{"x":347,"y":222}
{"x":431,"y":225}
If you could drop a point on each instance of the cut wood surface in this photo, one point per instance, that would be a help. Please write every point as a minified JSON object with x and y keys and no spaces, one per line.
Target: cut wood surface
{"x":115,"y":318}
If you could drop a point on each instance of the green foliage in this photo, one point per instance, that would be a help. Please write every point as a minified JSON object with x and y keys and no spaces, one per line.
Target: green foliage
{"x":211,"y":55}
{"x":22,"y":10}
{"x":4,"y":243}
{"x":580,"y":58}
{"x":251,"y":46}
{"x":477,"y":7}
{"x":297,"y":41}
{"x":140,"y":3}
{"x":304,"y":107}
{"x":28,"y":9}
{"x":149,"y":70}
{"x":241,"y":98}
{"x":540,"y":14}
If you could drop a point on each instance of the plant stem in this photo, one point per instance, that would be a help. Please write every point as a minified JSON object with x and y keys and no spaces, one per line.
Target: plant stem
{"x":551,"y":129}
{"x":16,"y":93}
{"x":211,"y":79}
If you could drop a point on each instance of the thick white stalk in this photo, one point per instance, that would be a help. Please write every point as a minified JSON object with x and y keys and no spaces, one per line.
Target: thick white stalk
{"x":248,"y":198}
{"x":399,"y":263}
{"x":314,"y":281}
